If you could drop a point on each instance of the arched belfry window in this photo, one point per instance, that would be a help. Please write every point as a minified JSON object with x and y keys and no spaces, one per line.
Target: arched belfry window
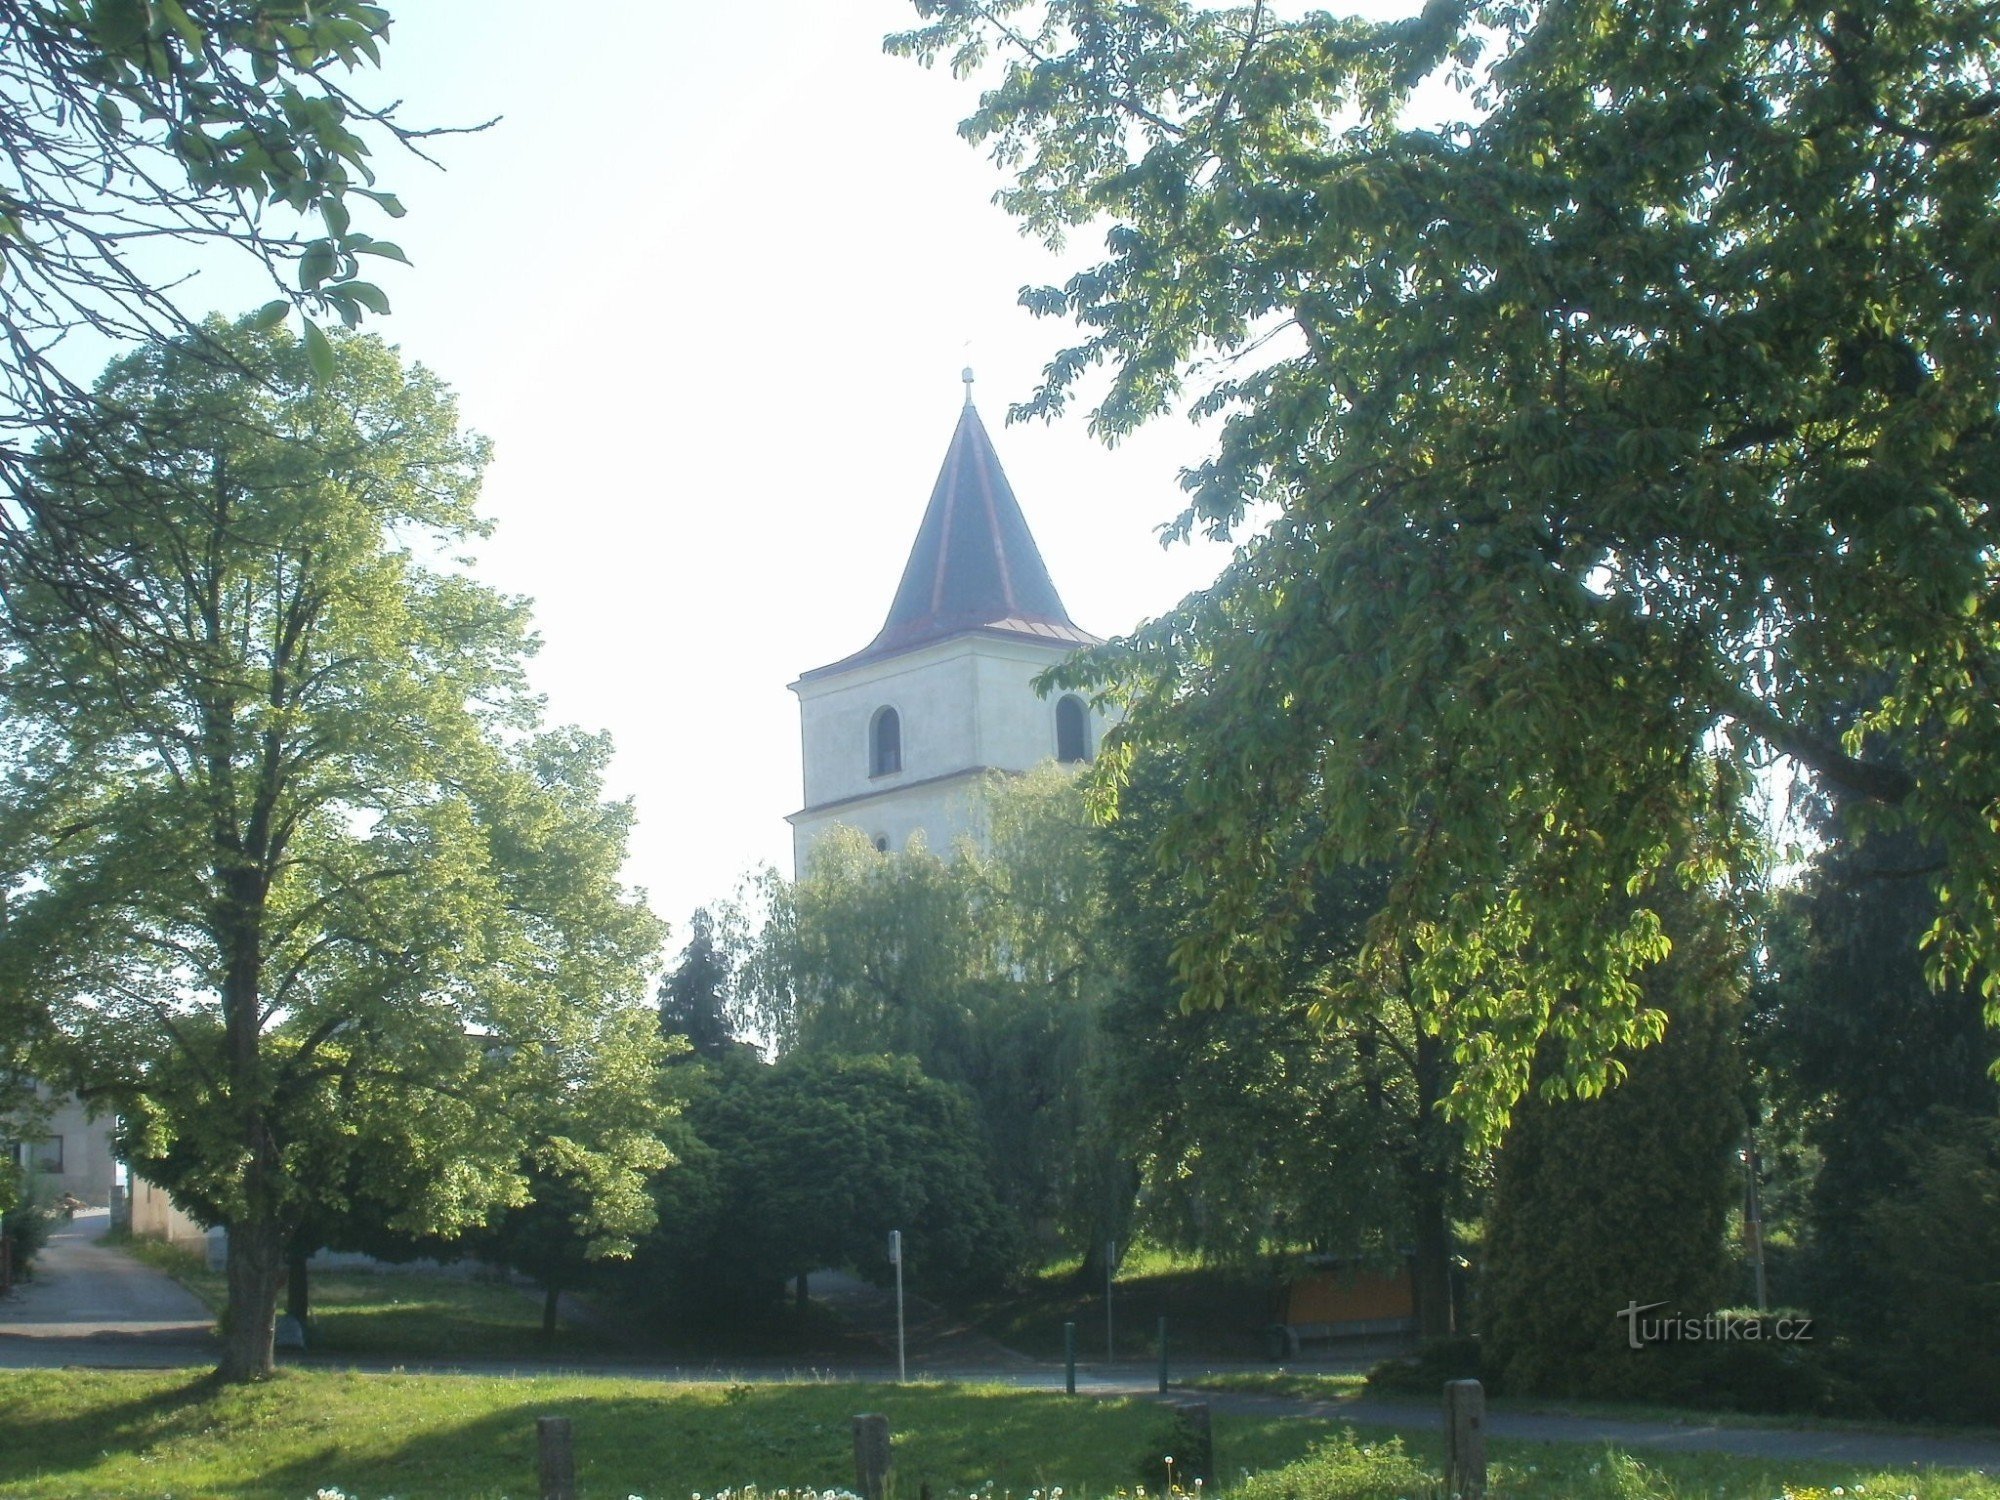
{"x":1072,"y":730}
{"x":885,"y":743}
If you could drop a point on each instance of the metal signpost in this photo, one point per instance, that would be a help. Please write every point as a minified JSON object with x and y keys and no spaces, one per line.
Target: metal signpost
{"x":1110,"y":1263}
{"x":896,"y":1260}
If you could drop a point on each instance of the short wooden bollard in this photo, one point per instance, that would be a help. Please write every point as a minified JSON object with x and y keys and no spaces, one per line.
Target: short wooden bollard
{"x":1464,"y":1439}
{"x":558,"y":1458}
{"x":871,"y":1456}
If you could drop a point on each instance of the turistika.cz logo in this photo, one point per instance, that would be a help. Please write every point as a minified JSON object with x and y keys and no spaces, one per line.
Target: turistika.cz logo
{"x":1671,"y":1328}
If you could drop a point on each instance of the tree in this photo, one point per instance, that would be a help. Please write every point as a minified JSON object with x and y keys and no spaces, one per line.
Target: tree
{"x":1304,"y":1121}
{"x":589,"y":1162}
{"x":1888,"y":1083}
{"x":1931,"y":1243}
{"x":988,"y":967}
{"x":1602,"y":1203}
{"x":1608,"y":439}
{"x":127,"y":124}
{"x":810,"y":1162}
{"x":694,"y":997}
{"x":294,"y":867}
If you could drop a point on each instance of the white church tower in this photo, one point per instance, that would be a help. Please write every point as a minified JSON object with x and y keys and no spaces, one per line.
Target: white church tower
{"x":899,"y":737}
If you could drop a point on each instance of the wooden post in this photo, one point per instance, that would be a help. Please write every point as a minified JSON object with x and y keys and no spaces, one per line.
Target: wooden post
{"x":1163,"y":1355}
{"x":1465,"y":1439}
{"x":871,"y":1456}
{"x":1069,"y":1358}
{"x":558,"y":1458}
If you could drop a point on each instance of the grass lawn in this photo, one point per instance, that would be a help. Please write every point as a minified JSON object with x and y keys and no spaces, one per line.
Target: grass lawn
{"x":1306,"y":1385}
{"x":1303,"y":1385}
{"x":1211,"y":1313}
{"x":415,"y":1315}
{"x":95,"y":1434}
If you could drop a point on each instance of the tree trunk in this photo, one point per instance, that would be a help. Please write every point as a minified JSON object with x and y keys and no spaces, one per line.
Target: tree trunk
{"x":1430,"y":1176}
{"x":551,"y":1296}
{"x":259,"y":1235}
{"x":298,"y":1289}
{"x":256,"y":1269}
{"x":1431,"y":1262}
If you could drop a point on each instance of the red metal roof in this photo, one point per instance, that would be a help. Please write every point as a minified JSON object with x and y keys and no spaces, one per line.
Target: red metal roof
{"x":974,"y":566}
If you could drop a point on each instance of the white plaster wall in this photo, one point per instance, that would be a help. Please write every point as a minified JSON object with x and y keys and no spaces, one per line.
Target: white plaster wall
{"x":88,"y":1169}
{"x":941,"y":813}
{"x":155,"y":1215}
{"x":933,"y":692}
{"x":967,"y":705}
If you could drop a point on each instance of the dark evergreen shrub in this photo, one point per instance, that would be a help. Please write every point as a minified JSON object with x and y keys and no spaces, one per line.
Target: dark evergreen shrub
{"x":1604,"y":1204}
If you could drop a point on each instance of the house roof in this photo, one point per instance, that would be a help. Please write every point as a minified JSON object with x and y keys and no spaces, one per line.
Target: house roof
{"x":975,"y":566}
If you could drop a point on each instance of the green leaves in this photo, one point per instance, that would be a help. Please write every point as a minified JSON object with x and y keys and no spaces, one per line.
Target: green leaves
{"x":318,"y":351}
{"x":186,"y":119}
{"x":1586,"y":432}
{"x":306,"y":794}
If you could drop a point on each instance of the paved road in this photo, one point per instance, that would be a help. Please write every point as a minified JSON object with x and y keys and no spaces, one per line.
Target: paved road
{"x":90,"y":1305}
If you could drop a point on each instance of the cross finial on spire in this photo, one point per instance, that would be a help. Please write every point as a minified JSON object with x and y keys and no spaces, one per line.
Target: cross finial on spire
{"x":966,"y":376}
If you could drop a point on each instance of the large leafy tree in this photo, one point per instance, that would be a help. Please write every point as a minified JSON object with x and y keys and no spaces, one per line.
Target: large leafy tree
{"x":295,"y":869}
{"x":210,"y":125}
{"x":1590,"y":447}
{"x":1292,"y":1124}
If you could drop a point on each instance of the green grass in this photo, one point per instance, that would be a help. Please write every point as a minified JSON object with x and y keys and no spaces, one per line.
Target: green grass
{"x":1302,"y":1385}
{"x":72,"y":1434}
{"x":1365,"y":1466}
{"x":1211,"y":1312}
{"x":76,"y":1434}
{"x":412,"y":1315}
{"x":371,"y":1314}
{"x":1299,"y":1385}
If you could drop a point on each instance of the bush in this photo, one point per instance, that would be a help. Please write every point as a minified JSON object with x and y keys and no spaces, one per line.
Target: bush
{"x":1766,"y":1375}
{"x":28,"y":1224}
{"x":1931,"y":1247}
{"x":1179,"y":1456}
{"x":810,"y":1162}
{"x":1343,"y":1468}
{"x":1425,"y":1372}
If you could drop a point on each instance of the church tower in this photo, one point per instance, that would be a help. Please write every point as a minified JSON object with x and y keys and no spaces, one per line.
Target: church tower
{"x":898,"y":737}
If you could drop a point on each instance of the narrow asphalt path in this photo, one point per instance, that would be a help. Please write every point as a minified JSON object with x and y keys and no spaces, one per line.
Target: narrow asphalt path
{"x":89,"y":1304}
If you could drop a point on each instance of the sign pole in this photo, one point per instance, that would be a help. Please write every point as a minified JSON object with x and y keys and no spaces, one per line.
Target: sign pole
{"x":896,"y":1260}
{"x":1110,"y":1262}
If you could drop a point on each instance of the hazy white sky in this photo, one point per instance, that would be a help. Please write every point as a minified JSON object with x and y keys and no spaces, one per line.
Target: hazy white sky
{"x":708,"y":285}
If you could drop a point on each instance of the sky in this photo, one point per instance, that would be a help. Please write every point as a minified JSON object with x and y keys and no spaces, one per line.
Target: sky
{"x":708,"y":283}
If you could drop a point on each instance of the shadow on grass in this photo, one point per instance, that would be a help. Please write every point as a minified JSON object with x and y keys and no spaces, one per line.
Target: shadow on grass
{"x":702,"y":1440}
{"x":51,"y":1431}
{"x":461,"y":1439}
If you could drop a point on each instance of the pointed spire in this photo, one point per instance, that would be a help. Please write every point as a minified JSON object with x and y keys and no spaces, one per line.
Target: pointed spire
{"x":974,"y":565}
{"x":966,"y":376}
